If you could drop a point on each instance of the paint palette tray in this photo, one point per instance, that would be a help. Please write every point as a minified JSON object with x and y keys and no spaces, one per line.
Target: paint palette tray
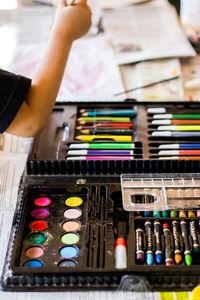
{"x":70,"y":230}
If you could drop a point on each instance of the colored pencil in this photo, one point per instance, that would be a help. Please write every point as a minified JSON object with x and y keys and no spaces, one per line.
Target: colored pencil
{"x":180,"y":127}
{"x":118,"y":119}
{"x":179,"y":152}
{"x":122,"y":138}
{"x":127,"y":113}
{"x":103,"y":146}
{"x":106,"y":126}
{"x":156,"y":110}
{"x":175,"y":122}
{"x":100,"y":152}
{"x":180,"y":157}
{"x":105,"y":123}
{"x":176,"y":133}
{"x":107,"y":131}
{"x":176,"y":116}
{"x":179,"y":146}
{"x":100,"y":158}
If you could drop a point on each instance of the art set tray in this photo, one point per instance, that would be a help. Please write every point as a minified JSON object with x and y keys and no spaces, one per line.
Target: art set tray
{"x":70,"y":213}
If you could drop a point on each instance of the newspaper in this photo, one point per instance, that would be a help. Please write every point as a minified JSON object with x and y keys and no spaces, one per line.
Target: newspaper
{"x":145,"y":32}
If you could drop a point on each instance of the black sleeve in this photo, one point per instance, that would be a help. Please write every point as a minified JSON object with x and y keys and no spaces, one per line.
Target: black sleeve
{"x":13,"y":91}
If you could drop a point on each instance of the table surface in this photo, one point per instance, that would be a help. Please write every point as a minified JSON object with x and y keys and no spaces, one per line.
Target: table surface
{"x":31,"y":25}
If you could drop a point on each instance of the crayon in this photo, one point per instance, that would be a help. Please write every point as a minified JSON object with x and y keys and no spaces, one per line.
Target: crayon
{"x":176,"y":116}
{"x":158,"y":250}
{"x":180,"y":128}
{"x":179,"y":146}
{"x":193,"y":234}
{"x":168,"y":252}
{"x":139,"y":245}
{"x":187,"y":252}
{"x":107,"y":131}
{"x":103,"y":146}
{"x":119,"y":138}
{"x":175,"y":122}
{"x":176,"y":235}
{"x":149,"y":252}
{"x":176,"y":133}
{"x":127,"y":113}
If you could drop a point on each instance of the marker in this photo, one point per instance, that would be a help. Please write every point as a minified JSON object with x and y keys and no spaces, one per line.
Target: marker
{"x":158,"y":251}
{"x":116,"y":125}
{"x":100,"y":158}
{"x":180,"y":127}
{"x":175,"y":122}
{"x":120,"y":138}
{"x":100,"y":152}
{"x":118,"y":119}
{"x":179,"y":152}
{"x":176,"y":235}
{"x":139,"y":245}
{"x":187,"y":252}
{"x":168,"y":252}
{"x":193,"y":233}
{"x":104,"y":146}
{"x":176,"y":116}
{"x":179,"y":146}
{"x":107,"y":131}
{"x":149,"y":252}
{"x":176,"y":133}
{"x":120,"y":253}
{"x":128,"y":113}
{"x":179,"y":157}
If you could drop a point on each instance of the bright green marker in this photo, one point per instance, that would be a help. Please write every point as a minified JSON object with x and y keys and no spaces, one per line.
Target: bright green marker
{"x":103,"y":146}
{"x":173,"y":214}
{"x":176,"y":116}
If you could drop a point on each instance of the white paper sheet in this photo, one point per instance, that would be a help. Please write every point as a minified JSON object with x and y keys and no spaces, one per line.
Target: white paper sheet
{"x":145,"y":32}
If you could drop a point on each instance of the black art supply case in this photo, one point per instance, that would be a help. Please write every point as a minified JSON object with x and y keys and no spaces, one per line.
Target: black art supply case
{"x":90,"y":203}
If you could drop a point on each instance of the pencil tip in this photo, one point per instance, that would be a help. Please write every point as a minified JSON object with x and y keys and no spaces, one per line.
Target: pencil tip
{"x":78,"y":137}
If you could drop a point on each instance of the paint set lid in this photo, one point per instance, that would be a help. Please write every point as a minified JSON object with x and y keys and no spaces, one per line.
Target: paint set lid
{"x":160,"y":192}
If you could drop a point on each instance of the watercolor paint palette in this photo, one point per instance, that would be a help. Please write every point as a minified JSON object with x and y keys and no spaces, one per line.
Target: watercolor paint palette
{"x":70,"y":230}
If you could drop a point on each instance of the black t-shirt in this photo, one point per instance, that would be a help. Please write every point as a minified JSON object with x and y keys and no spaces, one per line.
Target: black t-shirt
{"x":13,"y":91}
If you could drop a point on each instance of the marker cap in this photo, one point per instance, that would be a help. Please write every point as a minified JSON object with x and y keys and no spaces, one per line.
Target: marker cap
{"x":120,"y":242}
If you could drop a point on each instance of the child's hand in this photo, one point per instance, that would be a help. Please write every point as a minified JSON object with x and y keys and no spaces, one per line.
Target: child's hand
{"x":72,"y":21}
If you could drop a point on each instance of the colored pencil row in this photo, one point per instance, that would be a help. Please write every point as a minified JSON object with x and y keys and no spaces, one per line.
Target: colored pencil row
{"x":169,"y":214}
{"x":113,"y":127}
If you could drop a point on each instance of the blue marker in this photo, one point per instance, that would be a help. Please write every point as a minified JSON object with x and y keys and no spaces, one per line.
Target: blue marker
{"x":158,"y":251}
{"x":149,"y":252}
{"x":179,"y":146}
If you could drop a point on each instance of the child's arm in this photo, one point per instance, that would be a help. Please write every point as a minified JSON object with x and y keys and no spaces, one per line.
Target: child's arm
{"x":70,"y":23}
